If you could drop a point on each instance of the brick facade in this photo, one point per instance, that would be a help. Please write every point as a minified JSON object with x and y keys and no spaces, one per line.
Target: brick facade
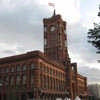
{"x":43,"y":76}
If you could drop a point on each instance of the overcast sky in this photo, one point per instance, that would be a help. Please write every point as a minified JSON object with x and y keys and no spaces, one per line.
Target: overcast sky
{"x":21,"y":29}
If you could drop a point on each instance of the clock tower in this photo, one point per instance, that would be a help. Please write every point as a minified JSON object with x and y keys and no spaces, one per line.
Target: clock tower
{"x":55,"y":39}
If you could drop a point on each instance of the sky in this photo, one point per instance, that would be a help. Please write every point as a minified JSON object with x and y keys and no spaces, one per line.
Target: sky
{"x":21,"y":29}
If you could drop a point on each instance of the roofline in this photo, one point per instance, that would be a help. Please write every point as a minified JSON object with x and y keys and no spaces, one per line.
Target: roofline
{"x":28,"y":55}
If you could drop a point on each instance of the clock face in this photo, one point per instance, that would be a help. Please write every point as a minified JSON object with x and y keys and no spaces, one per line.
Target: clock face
{"x":52,"y":28}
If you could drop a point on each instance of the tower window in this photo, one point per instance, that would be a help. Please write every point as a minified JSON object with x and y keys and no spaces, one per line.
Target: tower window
{"x":45,"y":28}
{"x":45,"y":41}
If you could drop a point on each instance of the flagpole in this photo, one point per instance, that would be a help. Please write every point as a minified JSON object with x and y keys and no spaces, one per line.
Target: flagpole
{"x":52,"y":5}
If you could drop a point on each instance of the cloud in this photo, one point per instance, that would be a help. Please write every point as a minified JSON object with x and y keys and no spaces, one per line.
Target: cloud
{"x":14,"y":5}
{"x":8,"y":49}
{"x":92,"y":74}
{"x":69,"y":9}
{"x":8,"y":52}
{"x":80,"y":50}
{"x":21,"y":28}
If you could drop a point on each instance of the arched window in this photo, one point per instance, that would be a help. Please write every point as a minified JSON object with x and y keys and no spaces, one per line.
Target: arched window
{"x":45,"y":41}
{"x":7,"y":79}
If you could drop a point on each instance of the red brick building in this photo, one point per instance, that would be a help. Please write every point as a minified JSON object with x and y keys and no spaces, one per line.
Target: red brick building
{"x":43,"y":76}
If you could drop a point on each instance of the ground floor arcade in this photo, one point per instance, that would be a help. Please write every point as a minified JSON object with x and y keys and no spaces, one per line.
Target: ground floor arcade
{"x":32,"y":95}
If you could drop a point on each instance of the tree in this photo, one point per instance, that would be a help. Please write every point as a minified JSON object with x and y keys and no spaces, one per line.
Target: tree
{"x":94,"y":36}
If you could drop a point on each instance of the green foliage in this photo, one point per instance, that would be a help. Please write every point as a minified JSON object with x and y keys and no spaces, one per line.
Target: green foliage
{"x":94,"y":37}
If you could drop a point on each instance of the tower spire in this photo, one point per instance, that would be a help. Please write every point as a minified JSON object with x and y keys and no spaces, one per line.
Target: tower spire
{"x":52,"y":5}
{"x":54,"y":12}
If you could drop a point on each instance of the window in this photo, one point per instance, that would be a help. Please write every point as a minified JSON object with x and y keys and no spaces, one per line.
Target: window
{"x":32,"y":79}
{"x":6,"y":69}
{"x":51,"y":71}
{"x":24,"y":79}
{"x":56,"y":73}
{"x":32,"y":66}
{"x":18,"y":68}
{"x":65,"y":31}
{"x":24,"y":67}
{"x":18,"y":80}
{"x":46,"y":82}
{"x":43,"y":67}
{"x":46,"y":69}
{"x":60,"y":25}
{"x":41,"y":80}
{"x":45,"y":28}
{"x":45,"y":41}
{"x":12,"y":80}
{"x":12,"y":69}
{"x":58,"y":85}
{"x":72,"y":68}
{"x":0,"y":70}
{"x":7,"y":79}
